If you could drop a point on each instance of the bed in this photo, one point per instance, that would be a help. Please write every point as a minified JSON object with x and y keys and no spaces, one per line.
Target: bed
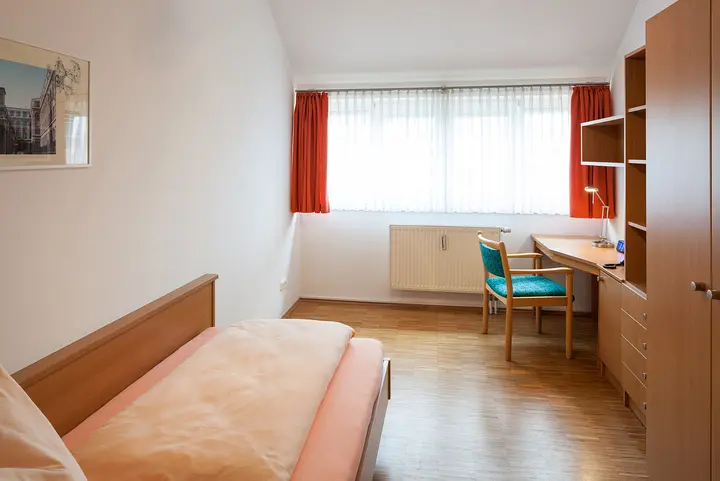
{"x":98,"y":383}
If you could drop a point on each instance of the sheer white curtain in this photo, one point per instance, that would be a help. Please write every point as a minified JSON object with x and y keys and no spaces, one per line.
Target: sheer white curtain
{"x":485,"y":150}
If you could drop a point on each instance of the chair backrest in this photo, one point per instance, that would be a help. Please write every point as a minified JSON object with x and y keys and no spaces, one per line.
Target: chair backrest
{"x":494,"y":255}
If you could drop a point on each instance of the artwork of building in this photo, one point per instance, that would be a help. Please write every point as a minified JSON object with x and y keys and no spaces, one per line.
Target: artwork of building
{"x":47,"y":117}
{"x":31,"y":129}
{"x":7,"y":132}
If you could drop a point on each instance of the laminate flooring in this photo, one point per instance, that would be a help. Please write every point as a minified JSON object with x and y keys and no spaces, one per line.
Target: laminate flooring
{"x":460,"y":412}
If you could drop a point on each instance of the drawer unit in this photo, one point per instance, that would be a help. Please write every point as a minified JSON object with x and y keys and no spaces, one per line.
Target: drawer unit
{"x":634,"y":332}
{"x":636,"y":362}
{"x":634,"y":388}
{"x":634,"y":305}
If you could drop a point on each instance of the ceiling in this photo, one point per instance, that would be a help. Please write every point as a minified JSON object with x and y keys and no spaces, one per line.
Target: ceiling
{"x":341,"y":39}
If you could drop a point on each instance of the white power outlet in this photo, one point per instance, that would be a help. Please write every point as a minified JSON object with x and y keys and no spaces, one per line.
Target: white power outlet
{"x":283,"y":285}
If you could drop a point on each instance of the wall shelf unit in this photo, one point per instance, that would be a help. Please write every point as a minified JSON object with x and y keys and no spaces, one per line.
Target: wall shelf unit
{"x":636,"y":170}
{"x":602,"y":142}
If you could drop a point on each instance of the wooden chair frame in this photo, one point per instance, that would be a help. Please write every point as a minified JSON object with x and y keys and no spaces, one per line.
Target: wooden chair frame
{"x":537,"y":302}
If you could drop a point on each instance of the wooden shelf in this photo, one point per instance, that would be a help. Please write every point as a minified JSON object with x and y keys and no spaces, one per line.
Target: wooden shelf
{"x":602,"y":142}
{"x":636,"y":170}
{"x":638,"y":288}
{"x":614,"y":121}
{"x":635,"y":225}
{"x":616,"y":165}
{"x":637,"y":54}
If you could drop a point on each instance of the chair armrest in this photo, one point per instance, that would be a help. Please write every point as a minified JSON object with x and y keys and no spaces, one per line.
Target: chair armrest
{"x":552,"y":270}
{"x":524,"y":255}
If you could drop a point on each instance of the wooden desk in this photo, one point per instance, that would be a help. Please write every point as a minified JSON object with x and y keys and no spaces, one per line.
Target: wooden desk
{"x":617,"y":307}
{"x":577,"y":252}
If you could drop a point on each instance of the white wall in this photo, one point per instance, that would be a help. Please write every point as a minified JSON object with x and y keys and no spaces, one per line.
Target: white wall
{"x":345,"y":255}
{"x":191,"y":116}
{"x":634,"y":38}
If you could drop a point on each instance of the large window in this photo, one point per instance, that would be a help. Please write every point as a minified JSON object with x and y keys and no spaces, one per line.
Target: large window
{"x":485,"y":150}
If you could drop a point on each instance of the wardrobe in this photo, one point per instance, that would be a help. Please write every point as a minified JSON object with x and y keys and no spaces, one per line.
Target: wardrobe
{"x":683,"y":241}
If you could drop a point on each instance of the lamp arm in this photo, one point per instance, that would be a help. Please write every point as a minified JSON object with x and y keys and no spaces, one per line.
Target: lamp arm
{"x":601,"y":199}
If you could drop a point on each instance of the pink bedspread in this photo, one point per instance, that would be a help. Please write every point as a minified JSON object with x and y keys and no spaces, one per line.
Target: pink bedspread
{"x":334,"y":445}
{"x":241,"y":407}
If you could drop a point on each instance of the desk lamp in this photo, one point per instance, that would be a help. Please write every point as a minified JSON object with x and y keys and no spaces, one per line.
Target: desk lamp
{"x":603,"y":241}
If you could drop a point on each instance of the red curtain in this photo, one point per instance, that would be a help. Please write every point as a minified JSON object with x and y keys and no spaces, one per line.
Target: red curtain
{"x":308,"y":190}
{"x":589,"y":103}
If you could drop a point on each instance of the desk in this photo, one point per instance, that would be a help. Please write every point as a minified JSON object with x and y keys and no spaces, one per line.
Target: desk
{"x":577,"y":252}
{"x":618,"y":308}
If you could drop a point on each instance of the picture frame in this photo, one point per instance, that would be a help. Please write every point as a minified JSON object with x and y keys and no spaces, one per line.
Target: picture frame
{"x":44,"y":108}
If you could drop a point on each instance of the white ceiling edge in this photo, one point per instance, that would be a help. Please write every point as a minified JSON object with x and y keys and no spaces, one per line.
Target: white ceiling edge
{"x":475,"y":78}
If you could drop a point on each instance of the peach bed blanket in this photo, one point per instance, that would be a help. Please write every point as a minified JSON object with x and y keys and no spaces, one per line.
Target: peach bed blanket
{"x":240,"y":407}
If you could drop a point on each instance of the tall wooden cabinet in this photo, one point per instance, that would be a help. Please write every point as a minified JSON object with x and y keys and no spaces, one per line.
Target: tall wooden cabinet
{"x":679,"y":164}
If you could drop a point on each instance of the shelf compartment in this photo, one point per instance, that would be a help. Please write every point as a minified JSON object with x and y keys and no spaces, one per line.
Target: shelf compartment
{"x":635,"y":145}
{"x":636,"y":194}
{"x":603,"y":142}
{"x":635,"y":78}
{"x":636,"y":258}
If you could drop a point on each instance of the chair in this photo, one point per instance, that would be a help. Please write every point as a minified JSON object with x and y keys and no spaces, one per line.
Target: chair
{"x":523,"y":287}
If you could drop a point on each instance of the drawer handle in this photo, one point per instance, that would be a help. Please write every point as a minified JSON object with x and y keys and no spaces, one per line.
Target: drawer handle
{"x":698,"y":286}
{"x":600,"y":278}
{"x":645,"y":406}
{"x":644,"y":375}
{"x":713,"y":295}
{"x":645,"y":316}
{"x":644,"y":345}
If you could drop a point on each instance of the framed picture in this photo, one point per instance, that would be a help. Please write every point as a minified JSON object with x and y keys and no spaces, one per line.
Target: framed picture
{"x":44,"y":108}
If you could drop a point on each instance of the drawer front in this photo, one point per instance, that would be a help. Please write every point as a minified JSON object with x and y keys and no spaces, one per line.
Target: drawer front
{"x":634,"y":332}
{"x":634,"y":305}
{"x":634,"y":388}
{"x":634,"y":361}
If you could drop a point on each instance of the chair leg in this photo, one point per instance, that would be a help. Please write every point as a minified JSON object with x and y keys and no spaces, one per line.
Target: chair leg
{"x":538,"y":319}
{"x":508,"y":331}
{"x":569,"y":331}
{"x":486,"y":309}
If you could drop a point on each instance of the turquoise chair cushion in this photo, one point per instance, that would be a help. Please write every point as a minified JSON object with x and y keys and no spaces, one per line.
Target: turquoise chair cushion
{"x":527,"y":286}
{"x":492,"y":260}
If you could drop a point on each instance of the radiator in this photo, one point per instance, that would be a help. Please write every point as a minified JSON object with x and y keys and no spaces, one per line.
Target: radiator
{"x":440,"y":259}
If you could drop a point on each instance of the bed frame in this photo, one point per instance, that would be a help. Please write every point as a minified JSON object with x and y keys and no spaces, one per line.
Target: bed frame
{"x":74,"y":382}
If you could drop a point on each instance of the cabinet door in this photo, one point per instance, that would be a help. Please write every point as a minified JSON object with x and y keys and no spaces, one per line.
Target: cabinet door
{"x":716,"y":239}
{"x":609,"y":346}
{"x":678,"y":242}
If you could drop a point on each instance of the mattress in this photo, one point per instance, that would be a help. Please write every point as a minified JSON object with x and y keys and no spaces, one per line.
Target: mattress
{"x":334,"y":445}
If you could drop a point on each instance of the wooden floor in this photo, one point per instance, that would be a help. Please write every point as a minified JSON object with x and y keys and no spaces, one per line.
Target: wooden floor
{"x":460,"y":412}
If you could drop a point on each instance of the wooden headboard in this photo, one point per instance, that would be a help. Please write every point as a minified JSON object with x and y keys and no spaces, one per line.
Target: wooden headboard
{"x":74,"y":382}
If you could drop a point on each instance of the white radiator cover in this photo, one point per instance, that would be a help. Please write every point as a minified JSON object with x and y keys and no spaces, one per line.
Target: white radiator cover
{"x":438,"y":259}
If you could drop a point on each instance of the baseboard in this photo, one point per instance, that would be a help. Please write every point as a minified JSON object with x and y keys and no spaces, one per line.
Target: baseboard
{"x":288,"y":313}
{"x":420,"y":303}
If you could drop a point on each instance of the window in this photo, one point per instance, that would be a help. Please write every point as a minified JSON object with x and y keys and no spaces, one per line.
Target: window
{"x":479,"y":150}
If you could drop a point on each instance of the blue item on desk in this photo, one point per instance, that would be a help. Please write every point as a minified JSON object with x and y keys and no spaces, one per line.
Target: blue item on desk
{"x":621,"y":246}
